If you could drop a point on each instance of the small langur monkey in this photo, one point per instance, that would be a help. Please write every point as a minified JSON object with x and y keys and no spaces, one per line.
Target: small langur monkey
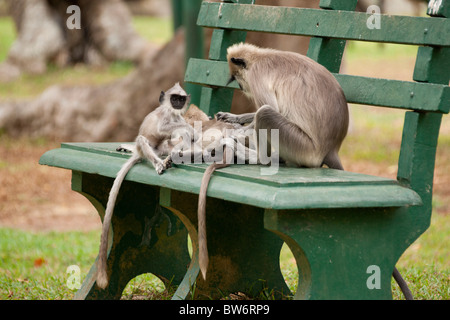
{"x":295,"y":95}
{"x":153,"y":141}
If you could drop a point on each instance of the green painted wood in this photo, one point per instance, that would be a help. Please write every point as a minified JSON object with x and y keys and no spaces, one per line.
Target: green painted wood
{"x":194,"y":33}
{"x":338,"y":4}
{"x":144,"y":237}
{"x":328,"y":52}
{"x":144,"y":242}
{"x":420,"y":136}
{"x":334,"y":249}
{"x":243,"y":255}
{"x":325,"y":23}
{"x":288,"y":188}
{"x":439,"y":8}
{"x":177,"y":13}
{"x":194,"y":42}
{"x":417,"y":160}
{"x":395,"y":93}
{"x":214,"y":100}
{"x":432,"y":65}
{"x":221,"y":40}
{"x":360,"y":90}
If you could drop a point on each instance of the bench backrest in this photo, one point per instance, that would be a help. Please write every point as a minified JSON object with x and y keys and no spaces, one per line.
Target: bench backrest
{"x":427,"y":97}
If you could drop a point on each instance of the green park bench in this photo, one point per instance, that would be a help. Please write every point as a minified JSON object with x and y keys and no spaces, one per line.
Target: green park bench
{"x":346,"y":230}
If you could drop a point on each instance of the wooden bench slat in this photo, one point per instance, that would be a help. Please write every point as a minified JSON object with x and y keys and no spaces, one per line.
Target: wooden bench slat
{"x":289,"y":188}
{"x":361,"y":90}
{"x":395,"y":93}
{"x":325,"y":23}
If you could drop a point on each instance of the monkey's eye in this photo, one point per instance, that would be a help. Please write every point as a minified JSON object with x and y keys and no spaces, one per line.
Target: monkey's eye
{"x":239,"y":62}
{"x":177,"y":101}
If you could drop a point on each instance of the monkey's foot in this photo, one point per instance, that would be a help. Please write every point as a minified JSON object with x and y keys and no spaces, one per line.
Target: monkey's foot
{"x":167,"y":163}
{"x":125,"y":148}
{"x":159,"y":167}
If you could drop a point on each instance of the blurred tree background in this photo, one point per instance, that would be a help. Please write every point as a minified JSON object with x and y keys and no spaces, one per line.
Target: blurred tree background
{"x":108,"y":112}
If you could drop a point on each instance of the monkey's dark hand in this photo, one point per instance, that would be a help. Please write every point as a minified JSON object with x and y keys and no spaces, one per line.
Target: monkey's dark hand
{"x":162,"y":166}
{"x":226,"y":117}
{"x":167,"y":163}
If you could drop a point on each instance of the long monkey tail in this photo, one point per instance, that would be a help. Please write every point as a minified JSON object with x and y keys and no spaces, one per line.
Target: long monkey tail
{"x":202,"y":242}
{"x":102,"y":277}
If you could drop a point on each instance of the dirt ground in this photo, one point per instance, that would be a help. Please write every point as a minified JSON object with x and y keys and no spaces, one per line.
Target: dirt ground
{"x":39,"y":198}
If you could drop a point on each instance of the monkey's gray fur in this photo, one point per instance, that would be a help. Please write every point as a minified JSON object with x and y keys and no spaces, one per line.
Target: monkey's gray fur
{"x":302,"y":99}
{"x":296,"y":95}
{"x":153,"y":141}
{"x":212,"y":138}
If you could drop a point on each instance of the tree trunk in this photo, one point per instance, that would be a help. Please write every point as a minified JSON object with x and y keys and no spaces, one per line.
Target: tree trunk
{"x":98,"y":113}
{"x":46,"y":34}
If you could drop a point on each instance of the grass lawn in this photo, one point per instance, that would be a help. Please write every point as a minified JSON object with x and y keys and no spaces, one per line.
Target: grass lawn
{"x":33,"y":264}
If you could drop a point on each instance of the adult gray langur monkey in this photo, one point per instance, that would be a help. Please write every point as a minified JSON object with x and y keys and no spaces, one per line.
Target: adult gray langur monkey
{"x":295,"y":95}
{"x":153,"y":141}
{"x":300,"y":98}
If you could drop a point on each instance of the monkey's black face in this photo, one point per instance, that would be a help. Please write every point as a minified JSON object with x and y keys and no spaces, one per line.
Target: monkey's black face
{"x":237,"y":66}
{"x":177,"y":101}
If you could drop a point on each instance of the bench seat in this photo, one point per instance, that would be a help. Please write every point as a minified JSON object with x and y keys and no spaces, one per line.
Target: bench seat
{"x":289,"y":188}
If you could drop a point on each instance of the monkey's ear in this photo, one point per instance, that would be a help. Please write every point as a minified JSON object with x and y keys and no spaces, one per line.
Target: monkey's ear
{"x":161,"y":97}
{"x":239,"y":62}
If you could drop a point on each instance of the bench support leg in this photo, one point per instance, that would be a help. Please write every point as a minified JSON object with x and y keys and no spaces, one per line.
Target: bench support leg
{"x":341,"y":253}
{"x":145,"y":237}
{"x":243,"y":256}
